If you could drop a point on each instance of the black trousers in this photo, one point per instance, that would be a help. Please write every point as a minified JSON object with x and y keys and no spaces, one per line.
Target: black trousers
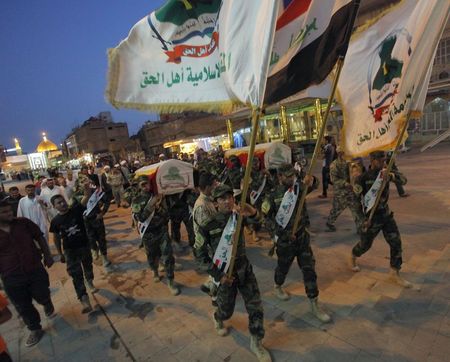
{"x":22,"y":289}
{"x":325,"y":179}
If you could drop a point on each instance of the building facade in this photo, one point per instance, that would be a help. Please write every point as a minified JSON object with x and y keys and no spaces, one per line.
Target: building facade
{"x":98,"y":135}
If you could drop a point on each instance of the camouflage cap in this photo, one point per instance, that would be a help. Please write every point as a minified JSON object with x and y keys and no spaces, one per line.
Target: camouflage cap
{"x":286,"y":169}
{"x":221,"y":190}
{"x":376,"y":155}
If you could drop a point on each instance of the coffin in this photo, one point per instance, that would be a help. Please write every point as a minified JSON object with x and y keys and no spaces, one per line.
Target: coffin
{"x":271,"y":154}
{"x":169,"y":177}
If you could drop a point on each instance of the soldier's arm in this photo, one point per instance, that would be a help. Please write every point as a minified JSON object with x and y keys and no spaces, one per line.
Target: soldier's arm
{"x":201,"y":219}
{"x":314,"y":185}
{"x":143,"y":208}
{"x":268,"y":213}
{"x":397,"y":176}
{"x":201,"y":252}
{"x":335,"y":177}
{"x":359,"y":185}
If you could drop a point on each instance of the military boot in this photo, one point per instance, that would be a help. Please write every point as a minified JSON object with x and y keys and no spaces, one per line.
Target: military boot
{"x":85,"y":302}
{"x":94,"y":254}
{"x":221,"y":330}
{"x":280,"y":293}
{"x":318,"y":312}
{"x":172,"y":287}
{"x":258,"y":349}
{"x":353,"y":264}
{"x":255,"y":236}
{"x":396,"y":278}
{"x":156,"y":277}
{"x":105,"y":261}
{"x":91,"y":287}
{"x":330,"y":227}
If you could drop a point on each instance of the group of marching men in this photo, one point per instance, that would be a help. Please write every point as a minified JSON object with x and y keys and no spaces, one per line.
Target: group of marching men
{"x":273,"y":202}
{"x":210,"y":214}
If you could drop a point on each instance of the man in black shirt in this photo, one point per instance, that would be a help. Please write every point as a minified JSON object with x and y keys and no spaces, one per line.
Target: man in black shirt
{"x":69,"y":224}
{"x":14,"y":198}
{"x":21,"y":271}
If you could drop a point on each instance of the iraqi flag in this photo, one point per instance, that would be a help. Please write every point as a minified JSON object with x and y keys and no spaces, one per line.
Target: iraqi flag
{"x":310,"y":36}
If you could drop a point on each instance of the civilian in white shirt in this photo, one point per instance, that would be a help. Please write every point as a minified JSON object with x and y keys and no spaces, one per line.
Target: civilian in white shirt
{"x":68,"y":191}
{"x":47,"y":193}
{"x":32,"y":207}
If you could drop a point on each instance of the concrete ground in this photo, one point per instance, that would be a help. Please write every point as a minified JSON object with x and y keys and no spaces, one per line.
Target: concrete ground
{"x":373,"y":319}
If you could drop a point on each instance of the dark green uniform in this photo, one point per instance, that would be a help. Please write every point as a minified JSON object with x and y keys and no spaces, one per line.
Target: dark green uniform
{"x":180,"y":206}
{"x":156,"y":237}
{"x":244,"y":278}
{"x":208,"y":165}
{"x":95,"y":226}
{"x":287,"y":249}
{"x":344,"y":196}
{"x":383,"y":220}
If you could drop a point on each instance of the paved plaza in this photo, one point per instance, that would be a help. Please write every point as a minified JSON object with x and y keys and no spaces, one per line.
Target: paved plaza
{"x":373,"y":320}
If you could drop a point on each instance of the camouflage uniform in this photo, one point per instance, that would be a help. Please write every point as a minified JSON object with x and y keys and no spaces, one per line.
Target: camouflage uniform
{"x":179,"y":206}
{"x":156,"y":238}
{"x":95,"y":226}
{"x":287,"y":249}
{"x":131,"y":192}
{"x":344,"y":196}
{"x":244,"y":278}
{"x":202,"y":213}
{"x":208,"y":165}
{"x":383,"y":220}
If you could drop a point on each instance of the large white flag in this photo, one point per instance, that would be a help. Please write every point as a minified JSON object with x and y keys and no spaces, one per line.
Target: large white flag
{"x":384,"y":73}
{"x":194,"y":55}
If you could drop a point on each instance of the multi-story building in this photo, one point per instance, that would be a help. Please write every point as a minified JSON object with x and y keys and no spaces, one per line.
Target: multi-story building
{"x":98,"y":135}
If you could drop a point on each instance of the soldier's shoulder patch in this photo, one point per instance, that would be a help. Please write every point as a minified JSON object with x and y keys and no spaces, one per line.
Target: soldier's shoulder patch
{"x":265,"y":207}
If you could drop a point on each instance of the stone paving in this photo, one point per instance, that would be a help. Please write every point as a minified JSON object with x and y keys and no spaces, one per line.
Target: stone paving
{"x":373,"y":320}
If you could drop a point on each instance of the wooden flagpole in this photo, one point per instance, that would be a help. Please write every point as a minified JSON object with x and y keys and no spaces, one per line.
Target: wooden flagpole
{"x":389,"y":168}
{"x":256,"y":112}
{"x":339,"y":64}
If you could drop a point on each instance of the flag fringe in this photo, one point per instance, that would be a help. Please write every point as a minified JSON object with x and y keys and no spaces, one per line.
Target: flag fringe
{"x":368,"y":23}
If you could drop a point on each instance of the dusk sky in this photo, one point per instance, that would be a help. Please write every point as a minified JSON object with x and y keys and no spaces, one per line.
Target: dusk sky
{"x":53,"y":65}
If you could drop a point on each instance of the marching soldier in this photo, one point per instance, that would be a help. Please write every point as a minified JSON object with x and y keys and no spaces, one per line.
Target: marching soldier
{"x":279,"y":208}
{"x":243,"y":278}
{"x":260,"y":184}
{"x":401,"y":191}
{"x":202,"y":213}
{"x":383,"y":219}
{"x":344,"y":192}
{"x":95,"y":226}
{"x":151,"y":211}
{"x":179,"y":205}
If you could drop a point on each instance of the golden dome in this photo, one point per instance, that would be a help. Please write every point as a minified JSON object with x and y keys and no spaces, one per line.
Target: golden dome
{"x":46,"y":145}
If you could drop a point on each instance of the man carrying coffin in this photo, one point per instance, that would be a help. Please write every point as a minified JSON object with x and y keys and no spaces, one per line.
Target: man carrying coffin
{"x":150,"y":210}
{"x":218,"y":235}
